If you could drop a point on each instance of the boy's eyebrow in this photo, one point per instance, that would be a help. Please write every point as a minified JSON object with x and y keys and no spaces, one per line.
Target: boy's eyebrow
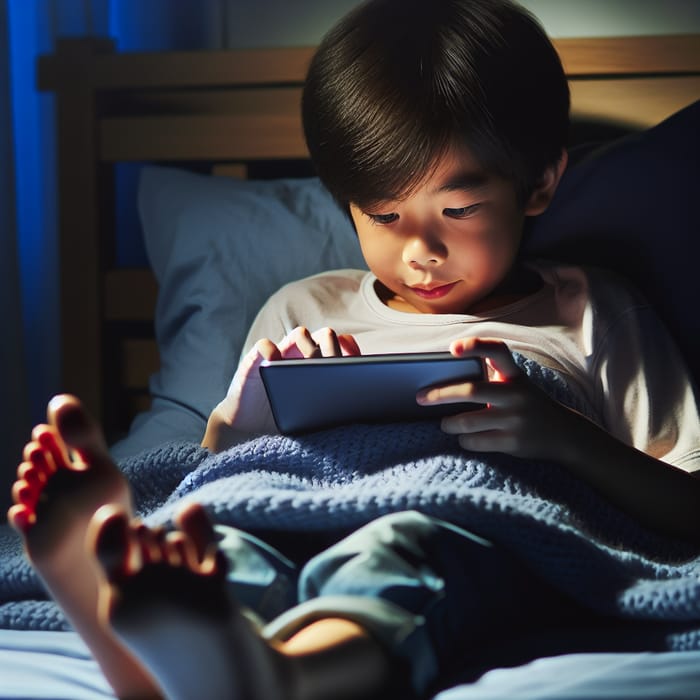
{"x":465,"y":181}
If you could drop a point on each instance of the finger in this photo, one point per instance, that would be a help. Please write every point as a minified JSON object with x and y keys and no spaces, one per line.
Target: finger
{"x":478,"y":421}
{"x":495,"y":394}
{"x":488,"y":441}
{"x":288,"y":346}
{"x":349,"y":345}
{"x":306,"y":343}
{"x":299,"y":343}
{"x":327,"y":341}
{"x":446,"y":393}
{"x":264,"y":349}
{"x":249,"y":368}
{"x":498,"y":354}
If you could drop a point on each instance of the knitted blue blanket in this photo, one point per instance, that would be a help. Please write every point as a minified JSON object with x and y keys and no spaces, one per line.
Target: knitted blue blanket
{"x":342,"y":478}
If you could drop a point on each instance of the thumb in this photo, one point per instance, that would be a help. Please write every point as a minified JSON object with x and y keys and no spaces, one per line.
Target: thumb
{"x":495,"y":352}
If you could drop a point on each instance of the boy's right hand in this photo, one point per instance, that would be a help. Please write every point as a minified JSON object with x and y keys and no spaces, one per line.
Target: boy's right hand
{"x":246,"y":409}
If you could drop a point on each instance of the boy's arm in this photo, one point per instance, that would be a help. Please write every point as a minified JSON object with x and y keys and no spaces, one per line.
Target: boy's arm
{"x":523,"y":421}
{"x":659,"y":495}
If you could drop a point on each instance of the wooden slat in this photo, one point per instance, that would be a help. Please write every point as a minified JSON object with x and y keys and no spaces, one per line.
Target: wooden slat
{"x":180,"y":68}
{"x":678,"y":53}
{"x":238,"y":171}
{"x":129,"y":295}
{"x":638,"y":103}
{"x":245,"y":125}
{"x":140,"y":359}
{"x":209,"y":138}
{"x":581,"y":56}
{"x":230,"y":100}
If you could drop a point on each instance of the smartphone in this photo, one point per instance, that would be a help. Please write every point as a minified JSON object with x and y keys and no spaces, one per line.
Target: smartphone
{"x":317,"y":393}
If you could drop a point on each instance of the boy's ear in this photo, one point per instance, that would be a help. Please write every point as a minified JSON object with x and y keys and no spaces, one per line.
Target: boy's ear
{"x":544,"y":191}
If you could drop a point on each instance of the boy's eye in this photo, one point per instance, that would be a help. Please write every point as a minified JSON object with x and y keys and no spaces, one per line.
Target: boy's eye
{"x":461,"y":212}
{"x":383,"y":218}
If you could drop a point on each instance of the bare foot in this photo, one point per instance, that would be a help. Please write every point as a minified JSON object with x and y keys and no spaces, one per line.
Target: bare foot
{"x":65,"y":476}
{"x":165,"y":597}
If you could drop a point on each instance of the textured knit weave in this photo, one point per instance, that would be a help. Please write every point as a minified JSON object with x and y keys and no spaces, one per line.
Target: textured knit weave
{"x":340,"y":479}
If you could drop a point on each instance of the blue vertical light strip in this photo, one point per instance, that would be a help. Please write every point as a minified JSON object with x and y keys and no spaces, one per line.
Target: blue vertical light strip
{"x":114,"y":28}
{"x":15,"y":424}
{"x":137,"y":25}
{"x":33,"y":124}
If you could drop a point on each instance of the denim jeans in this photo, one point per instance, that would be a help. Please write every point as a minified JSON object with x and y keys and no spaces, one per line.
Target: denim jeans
{"x":430,"y":592}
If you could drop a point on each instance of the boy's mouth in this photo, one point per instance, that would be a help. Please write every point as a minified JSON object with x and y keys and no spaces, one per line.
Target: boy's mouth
{"x":434,"y":291}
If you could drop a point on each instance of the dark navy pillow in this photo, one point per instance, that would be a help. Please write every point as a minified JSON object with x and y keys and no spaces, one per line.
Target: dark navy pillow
{"x":634,"y":207}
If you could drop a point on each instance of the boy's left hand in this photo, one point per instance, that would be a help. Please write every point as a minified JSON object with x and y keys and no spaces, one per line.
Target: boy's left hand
{"x":518,"y":417}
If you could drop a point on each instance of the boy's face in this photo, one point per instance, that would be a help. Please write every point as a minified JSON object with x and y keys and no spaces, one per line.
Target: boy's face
{"x":447,"y":246}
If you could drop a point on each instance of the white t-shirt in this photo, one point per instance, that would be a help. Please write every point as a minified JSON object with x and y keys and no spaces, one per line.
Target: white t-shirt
{"x":584,"y":323}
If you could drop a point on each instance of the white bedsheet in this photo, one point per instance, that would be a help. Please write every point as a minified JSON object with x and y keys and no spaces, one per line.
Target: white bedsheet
{"x":57,"y":666}
{"x":48,"y":666}
{"x":599,"y":676}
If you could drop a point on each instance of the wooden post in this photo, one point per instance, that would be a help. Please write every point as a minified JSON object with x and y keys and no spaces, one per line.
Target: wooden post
{"x":68,"y":74}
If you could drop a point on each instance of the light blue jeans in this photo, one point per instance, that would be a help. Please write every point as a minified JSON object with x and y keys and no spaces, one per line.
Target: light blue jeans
{"x":430,"y":592}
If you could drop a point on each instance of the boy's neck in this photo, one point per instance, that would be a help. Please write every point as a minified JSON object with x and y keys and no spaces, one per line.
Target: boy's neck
{"x":520,"y":283}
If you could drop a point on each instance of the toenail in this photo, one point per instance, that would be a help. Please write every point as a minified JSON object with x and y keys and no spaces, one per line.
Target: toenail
{"x":72,"y":421}
{"x":57,"y":401}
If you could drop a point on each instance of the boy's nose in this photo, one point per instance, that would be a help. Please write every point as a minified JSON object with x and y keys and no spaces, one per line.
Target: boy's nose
{"x":423,"y":251}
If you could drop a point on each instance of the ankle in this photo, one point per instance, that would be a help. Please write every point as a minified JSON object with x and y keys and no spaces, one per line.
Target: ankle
{"x":333,"y":658}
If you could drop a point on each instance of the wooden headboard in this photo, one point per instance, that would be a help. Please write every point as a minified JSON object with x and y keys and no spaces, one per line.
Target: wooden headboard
{"x":234,"y":108}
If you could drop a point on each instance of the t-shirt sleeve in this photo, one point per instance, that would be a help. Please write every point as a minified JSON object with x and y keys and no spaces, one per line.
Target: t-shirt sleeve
{"x":314,"y":302}
{"x":645,"y":392}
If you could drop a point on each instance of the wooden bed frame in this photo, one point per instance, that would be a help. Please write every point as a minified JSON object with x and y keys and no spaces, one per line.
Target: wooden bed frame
{"x":235,"y":108}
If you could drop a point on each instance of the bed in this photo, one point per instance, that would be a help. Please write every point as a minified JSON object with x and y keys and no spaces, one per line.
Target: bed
{"x":229,"y":211}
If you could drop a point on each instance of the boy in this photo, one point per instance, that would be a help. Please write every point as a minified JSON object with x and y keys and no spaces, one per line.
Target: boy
{"x":439,"y":126}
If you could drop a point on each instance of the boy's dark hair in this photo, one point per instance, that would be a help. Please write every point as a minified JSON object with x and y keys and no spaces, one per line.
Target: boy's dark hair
{"x":397,"y":82}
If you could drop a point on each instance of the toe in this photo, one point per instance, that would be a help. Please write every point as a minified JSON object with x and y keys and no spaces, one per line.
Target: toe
{"x":35,"y":453}
{"x":55,"y":454}
{"x":34,"y":475}
{"x":194,"y":522}
{"x":175,"y":550}
{"x":25,"y":494}
{"x":149,"y":543}
{"x":38,"y":431}
{"x":76,"y":427}
{"x":21,"y":517}
{"x":109,"y":538}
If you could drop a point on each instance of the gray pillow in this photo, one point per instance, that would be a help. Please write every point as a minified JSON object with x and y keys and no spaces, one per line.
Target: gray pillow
{"x":219,"y":247}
